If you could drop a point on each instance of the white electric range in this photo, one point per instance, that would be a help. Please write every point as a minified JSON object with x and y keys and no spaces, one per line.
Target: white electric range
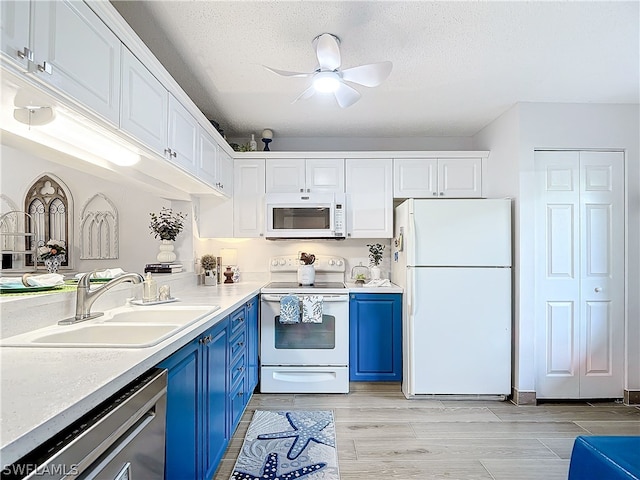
{"x":305,"y":357}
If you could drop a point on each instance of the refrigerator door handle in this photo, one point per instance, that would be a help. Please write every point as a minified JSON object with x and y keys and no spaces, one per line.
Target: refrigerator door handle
{"x":411,"y":237}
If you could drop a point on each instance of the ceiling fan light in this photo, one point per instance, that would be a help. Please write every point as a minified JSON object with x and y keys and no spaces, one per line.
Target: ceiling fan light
{"x":326,"y":82}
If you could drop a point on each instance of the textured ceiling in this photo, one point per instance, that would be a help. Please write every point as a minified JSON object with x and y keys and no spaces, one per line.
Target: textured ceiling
{"x":456,"y":65}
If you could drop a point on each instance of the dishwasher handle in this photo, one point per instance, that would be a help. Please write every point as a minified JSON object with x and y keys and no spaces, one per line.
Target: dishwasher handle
{"x":325,"y":298}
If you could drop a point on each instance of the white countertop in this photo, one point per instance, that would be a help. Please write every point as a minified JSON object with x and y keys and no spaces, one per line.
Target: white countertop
{"x":42,"y":390}
{"x":393,"y":288}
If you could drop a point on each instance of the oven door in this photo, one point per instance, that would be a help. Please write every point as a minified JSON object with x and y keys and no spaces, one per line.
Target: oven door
{"x":316,"y":344}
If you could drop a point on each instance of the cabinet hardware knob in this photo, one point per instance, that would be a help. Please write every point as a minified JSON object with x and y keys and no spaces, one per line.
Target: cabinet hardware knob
{"x":435,"y":194}
{"x":442,"y":194}
{"x":597,"y":289}
{"x":302,"y":190}
{"x":45,"y":67}
{"x":25,"y":53}
{"x":308,"y":190}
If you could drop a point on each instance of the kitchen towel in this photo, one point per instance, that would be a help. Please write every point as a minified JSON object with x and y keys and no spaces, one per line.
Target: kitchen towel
{"x":290,"y":309}
{"x":30,"y":280}
{"x":312,"y":309}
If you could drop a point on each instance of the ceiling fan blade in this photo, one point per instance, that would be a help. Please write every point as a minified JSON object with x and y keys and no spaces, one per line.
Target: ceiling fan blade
{"x":306,"y":94}
{"x":370,"y":75}
{"x":285,"y":73}
{"x":346,"y":95}
{"x":328,"y":52}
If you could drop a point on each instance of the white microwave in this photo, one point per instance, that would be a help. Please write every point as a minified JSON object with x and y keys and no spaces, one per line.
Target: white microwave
{"x":305,"y":215}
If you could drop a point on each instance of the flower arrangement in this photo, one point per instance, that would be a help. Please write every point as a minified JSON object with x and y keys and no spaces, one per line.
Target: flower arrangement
{"x":208,"y":262}
{"x":167,"y":224}
{"x":307,"y":258}
{"x":375,"y":253}
{"x":51,"y":249}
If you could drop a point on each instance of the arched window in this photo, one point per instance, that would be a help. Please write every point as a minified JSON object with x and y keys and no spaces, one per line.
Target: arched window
{"x":48,"y":204}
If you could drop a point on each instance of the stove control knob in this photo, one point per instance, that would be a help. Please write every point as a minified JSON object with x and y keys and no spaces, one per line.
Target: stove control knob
{"x":339,"y":262}
{"x":282,"y":262}
{"x":274,"y":262}
{"x":332,"y":262}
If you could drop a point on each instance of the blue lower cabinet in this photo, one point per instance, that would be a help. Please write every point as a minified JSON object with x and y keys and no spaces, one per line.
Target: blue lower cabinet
{"x":214,"y":381}
{"x":375,"y":337}
{"x":184,"y":428}
{"x":252,"y":344}
{"x":207,"y":393}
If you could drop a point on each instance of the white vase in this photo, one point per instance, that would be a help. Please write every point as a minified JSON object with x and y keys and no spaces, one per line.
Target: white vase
{"x":306,"y":274}
{"x":375,"y":272}
{"x":166,"y":254}
{"x":53,"y":263}
{"x":210,"y":277}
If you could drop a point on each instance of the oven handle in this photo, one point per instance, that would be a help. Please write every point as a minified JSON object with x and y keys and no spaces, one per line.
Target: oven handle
{"x":325,"y":298}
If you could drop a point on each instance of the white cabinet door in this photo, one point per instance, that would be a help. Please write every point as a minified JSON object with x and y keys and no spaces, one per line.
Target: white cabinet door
{"x":145,"y":104}
{"x":183,"y":137}
{"x":248,"y":205}
{"x":208,"y":170}
{"x":324,"y":175}
{"x":225,"y":173}
{"x":415,"y":177}
{"x":369,"y":191}
{"x":76,"y":52}
{"x":460,"y":177}
{"x":579,"y":274}
{"x":442,"y":178}
{"x":14,"y":24}
{"x":285,"y":175}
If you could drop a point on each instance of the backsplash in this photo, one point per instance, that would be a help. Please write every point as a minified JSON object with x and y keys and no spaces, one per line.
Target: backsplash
{"x":253,"y":254}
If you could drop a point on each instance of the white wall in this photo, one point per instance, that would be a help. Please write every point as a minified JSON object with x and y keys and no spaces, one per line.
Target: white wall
{"x":340,"y":144}
{"x":137,"y":246}
{"x":516,"y":134}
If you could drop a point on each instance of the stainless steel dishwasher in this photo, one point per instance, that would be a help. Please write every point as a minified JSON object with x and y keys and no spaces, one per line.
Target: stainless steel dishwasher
{"x":122,"y":439}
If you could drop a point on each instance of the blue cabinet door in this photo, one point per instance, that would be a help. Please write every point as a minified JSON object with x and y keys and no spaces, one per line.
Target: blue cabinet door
{"x":183,"y":428}
{"x":375,"y":336}
{"x":214,"y":383}
{"x":252,"y":344}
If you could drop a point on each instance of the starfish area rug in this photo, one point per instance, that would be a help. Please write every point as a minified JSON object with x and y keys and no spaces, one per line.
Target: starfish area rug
{"x":289,"y":445}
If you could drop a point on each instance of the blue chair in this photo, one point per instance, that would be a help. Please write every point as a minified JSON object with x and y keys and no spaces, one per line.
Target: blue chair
{"x":605,"y":458}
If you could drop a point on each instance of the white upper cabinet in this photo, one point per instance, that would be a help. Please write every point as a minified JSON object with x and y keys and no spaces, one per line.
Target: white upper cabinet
{"x":437,"y":178}
{"x":14,"y":25}
{"x":305,"y":175}
{"x":208,"y":165}
{"x":184,"y":137}
{"x":369,"y":191}
{"x":145,"y":104}
{"x":225,"y":173}
{"x":74,"y":51}
{"x":248,"y":198}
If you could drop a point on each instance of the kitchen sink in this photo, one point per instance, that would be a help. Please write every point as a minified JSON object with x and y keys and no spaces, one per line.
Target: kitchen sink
{"x":157,"y":315}
{"x":123,"y":327}
{"x":104,"y":335}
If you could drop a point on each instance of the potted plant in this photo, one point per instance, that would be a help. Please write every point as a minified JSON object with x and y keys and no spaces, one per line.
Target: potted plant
{"x":166,"y":225}
{"x":360,"y":278}
{"x":376,"y":251}
{"x":209,"y":264}
{"x":52,"y":254}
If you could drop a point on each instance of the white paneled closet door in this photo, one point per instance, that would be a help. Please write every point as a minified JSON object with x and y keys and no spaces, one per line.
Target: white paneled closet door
{"x":579,"y":274}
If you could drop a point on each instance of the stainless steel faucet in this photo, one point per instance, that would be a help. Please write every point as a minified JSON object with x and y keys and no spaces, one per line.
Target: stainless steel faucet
{"x":85,"y":296}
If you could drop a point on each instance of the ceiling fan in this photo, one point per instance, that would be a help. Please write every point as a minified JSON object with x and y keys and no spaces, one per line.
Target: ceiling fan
{"x":329,"y":78}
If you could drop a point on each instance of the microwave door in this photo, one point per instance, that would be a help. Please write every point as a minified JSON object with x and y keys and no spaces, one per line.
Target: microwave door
{"x":300,"y":221}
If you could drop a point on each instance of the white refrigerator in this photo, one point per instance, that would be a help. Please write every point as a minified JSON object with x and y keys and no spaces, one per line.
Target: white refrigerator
{"x":453,"y":259}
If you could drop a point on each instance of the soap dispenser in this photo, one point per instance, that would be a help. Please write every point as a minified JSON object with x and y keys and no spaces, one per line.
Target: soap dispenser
{"x":149,"y":289}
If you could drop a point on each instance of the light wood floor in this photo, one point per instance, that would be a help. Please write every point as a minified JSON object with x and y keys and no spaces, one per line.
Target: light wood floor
{"x":381,"y":434}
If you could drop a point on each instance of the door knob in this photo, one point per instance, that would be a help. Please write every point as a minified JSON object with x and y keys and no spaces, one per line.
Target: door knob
{"x":597,"y":289}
